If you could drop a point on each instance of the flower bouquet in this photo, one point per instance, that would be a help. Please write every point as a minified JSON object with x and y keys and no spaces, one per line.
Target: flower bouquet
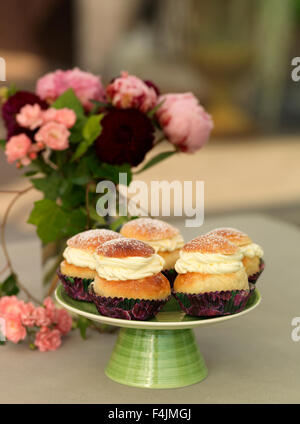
{"x":73,"y":132}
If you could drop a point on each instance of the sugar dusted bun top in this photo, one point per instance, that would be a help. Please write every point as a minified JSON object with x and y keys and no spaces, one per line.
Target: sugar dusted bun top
{"x":148,"y":229}
{"x":127,"y":259}
{"x":160,"y":235}
{"x":80,"y":248}
{"x":236,"y":237}
{"x":210,"y":243}
{"x":209,"y":254}
{"x":90,"y":239}
{"x":124,"y":247}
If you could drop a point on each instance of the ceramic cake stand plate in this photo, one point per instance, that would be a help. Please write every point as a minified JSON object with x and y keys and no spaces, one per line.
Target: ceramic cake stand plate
{"x":159,"y":353}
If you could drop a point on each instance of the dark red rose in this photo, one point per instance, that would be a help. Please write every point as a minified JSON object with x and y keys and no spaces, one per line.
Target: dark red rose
{"x":13,"y":105}
{"x":127,"y":135}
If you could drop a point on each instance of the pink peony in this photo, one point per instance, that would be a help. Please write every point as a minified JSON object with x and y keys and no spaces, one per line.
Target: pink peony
{"x":64,"y":321}
{"x":11,"y":306}
{"x":128,"y":91}
{"x":63,"y":116}
{"x":53,"y":135}
{"x":184,"y":121}
{"x":85,"y":85}
{"x":47,"y":339}
{"x":41,"y":317}
{"x":30,"y":116}
{"x":28,"y":315}
{"x":17,"y":148}
{"x":14,"y":330}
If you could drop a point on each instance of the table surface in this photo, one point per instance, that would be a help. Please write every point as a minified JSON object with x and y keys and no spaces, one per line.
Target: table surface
{"x":250,"y":360}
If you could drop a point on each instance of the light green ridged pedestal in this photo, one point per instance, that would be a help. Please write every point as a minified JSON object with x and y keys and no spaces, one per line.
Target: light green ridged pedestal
{"x":156,"y":359}
{"x":160,"y":353}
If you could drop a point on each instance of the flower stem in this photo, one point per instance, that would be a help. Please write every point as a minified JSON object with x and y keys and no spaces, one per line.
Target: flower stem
{"x":3,"y":241}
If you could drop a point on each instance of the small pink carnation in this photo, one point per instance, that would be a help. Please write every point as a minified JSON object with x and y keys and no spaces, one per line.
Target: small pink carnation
{"x":17,"y":148}
{"x":64,"y":321}
{"x":51,"y":310}
{"x":40,"y":317}
{"x":85,"y":85}
{"x":11,"y":306}
{"x":53,"y":135}
{"x":129,"y":91}
{"x":28,"y":315}
{"x":184,"y":121}
{"x":63,"y":116}
{"x":47,"y":339}
{"x":14,"y":330}
{"x":30,"y":116}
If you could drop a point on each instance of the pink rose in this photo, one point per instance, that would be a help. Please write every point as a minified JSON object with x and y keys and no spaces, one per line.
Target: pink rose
{"x":17,"y":148}
{"x":184,"y":121}
{"x":14,"y":330}
{"x":128,"y":91}
{"x":63,"y":116}
{"x":30,"y":116}
{"x":53,"y":135}
{"x":64,"y":321}
{"x":11,"y":306}
{"x":85,"y":85}
{"x":41,"y":317}
{"x":47,"y":339}
{"x":28,"y":315}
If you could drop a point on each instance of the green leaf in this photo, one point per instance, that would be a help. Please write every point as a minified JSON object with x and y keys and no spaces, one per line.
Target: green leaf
{"x":70,"y":100}
{"x":11,"y":90}
{"x":117,"y":223}
{"x":29,"y":173}
{"x":76,"y":222}
{"x":9,"y":286}
{"x":49,"y":185}
{"x":82,"y":325}
{"x":158,"y":158}
{"x":2,"y":143}
{"x":50,"y":219}
{"x":90,"y":132}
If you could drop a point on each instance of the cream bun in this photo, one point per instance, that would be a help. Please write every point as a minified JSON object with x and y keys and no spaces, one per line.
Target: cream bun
{"x":128,"y":281}
{"x":208,"y":264}
{"x":79,"y":267}
{"x":252,"y":252}
{"x":165,"y":239}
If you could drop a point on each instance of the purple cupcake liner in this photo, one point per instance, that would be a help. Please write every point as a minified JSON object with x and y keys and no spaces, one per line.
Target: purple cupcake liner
{"x":253,"y":278}
{"x":171,"y":275}
{"x":213,"y":303}
{"x":76,"y":288}
{"x":124,"y":308}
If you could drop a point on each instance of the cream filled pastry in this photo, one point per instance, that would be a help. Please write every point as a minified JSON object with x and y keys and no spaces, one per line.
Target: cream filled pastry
{"x":163,"y":237}
{"x":209,"y":264}
{"x":211,"y":277}
{"x":128,"y":282}
{"x":79,"y":266}
{"x":252,"y":252}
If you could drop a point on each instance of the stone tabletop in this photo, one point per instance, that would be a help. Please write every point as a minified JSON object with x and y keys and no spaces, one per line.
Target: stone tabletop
{"x":250,"y":360}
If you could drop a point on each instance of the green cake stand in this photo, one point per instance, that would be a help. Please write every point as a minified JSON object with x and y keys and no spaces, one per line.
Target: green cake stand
{"x":160,"y":353}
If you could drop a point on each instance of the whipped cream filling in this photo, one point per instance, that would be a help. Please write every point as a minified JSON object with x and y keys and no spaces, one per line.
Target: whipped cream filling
{"x":252,"y":250}
{"x":166,"y":245}
{"x":79,"y":257}
{"x":130,"y":268}
{"x":210,"y":263}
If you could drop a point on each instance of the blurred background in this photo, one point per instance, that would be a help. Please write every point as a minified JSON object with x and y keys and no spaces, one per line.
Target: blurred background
{"x":235,"y":55}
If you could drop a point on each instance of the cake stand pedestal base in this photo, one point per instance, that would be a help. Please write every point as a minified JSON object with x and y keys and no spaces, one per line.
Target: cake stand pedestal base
{"x":157,"y":359}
